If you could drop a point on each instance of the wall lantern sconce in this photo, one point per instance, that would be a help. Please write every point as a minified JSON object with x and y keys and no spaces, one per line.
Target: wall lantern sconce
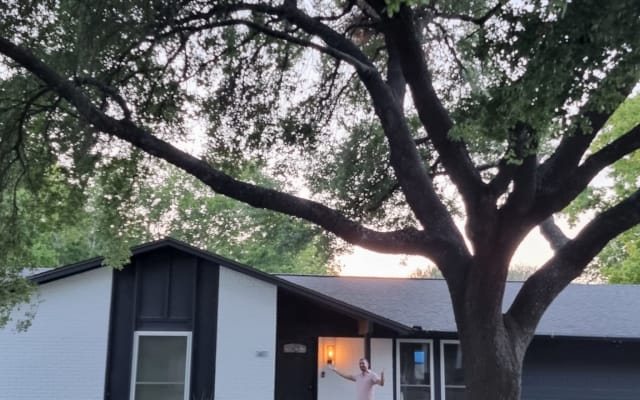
{"x":330,"y":352}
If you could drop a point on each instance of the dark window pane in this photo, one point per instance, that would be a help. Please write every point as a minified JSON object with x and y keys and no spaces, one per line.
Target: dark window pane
{"x":161,"y":359}
{"x":159,"y":392}
{"x":416,"y":393}
{"x":454,"y":393}
{"x":414,"y":364}
{"x":453,"y":372}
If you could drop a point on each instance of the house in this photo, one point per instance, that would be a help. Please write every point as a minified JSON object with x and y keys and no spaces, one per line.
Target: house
{"x":181,"y":323}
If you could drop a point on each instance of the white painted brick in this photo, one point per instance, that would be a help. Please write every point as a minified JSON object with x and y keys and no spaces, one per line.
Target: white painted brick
{"x":382,"y":359}
{"x":348,"y":352}
{"x":246,"y":327}
{"x":63,"y":354}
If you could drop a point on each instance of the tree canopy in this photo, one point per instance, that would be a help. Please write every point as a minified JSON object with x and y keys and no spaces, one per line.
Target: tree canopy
{"x":397,"y":116}
{"x":174,"y":204}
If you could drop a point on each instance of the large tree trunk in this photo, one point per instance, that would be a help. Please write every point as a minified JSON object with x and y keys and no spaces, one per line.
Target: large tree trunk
{"x":493,"y":345}
{"x":492,"y":365}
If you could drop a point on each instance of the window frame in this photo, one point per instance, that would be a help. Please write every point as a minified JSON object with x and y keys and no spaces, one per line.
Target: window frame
{"x":429,"y":343}
{"x":134,"y":361}
{"x":443,"y":386}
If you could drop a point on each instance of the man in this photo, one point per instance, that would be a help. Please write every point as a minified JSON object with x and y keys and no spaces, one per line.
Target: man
{"x":365,"y":380}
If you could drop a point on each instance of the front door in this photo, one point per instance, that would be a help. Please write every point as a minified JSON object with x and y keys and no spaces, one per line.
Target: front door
{"x":296,"y":363}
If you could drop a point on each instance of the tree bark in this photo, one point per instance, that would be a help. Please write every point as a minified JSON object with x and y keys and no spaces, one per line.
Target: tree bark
{"x":493,"y":344}
{"x":493,"y":367}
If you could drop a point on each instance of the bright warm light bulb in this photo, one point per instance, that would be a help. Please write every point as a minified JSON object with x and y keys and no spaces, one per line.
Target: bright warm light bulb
{"x":330,"y":351}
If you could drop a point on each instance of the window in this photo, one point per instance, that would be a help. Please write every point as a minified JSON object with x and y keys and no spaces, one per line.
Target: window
{"x":451,"y":373}
{"x":415,"y":365}
{"x":161,"y":364}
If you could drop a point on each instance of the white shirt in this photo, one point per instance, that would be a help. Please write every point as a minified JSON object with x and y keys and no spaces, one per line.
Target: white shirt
{"x":364,"y":385}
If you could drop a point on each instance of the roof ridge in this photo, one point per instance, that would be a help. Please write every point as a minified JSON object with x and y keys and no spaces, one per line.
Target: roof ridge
{"x":403,"y":278}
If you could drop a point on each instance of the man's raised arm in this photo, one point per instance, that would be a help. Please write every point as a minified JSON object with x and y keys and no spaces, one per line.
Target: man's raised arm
{"x":345,"y":376}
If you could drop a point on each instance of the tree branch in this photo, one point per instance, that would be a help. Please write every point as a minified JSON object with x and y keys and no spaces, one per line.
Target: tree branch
{"x":500,"y":182}
{"x":357,"y":64}
{"x":614,"y":151}
{"x":395,"y":78}
{"x":561,"y":166}
{"x":553,"y":233}
{"x":455,"y":158}
{"x":555,"y":200}
{"x":570,"y":260}
{"x":475,"y":20}
{"x":292,"y":14}
{"x":565,"y":159}
{"x":524,"y":145}
{"x":334,"y":17}
{"x":108,"y":90}
{"x":409,"y":241}
{"x":404,"y":157}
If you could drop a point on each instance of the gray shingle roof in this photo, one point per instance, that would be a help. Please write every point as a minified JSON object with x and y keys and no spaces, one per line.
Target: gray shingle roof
{"x":604,"y":311}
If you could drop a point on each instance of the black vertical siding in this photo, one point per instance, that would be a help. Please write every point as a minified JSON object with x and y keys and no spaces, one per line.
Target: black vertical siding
{"x":557,"y":369}
{"x":121,"y":327}
{"x":163,"y":290}
{"x":152,"y":281}
{"x":204,"y":333}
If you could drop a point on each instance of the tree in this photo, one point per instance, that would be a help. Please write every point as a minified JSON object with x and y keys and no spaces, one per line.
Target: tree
{"x":23,"y":237}
{"x":176,"y":205}
{"x":504,"y":100}
{"x":275,"y":243}
{"x":619,"y":261}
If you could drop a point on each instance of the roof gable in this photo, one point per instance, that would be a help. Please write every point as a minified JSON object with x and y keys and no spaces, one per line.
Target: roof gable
{"x":321,"y":298}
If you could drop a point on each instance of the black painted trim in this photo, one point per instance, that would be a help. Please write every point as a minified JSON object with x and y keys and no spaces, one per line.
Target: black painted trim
{"x":437,"y":361}
{"x":205,"y":330}
{"x":67,"y":270}
{"x":122,"y":326}
{"x":394,"y":367}
{"x":110,"y":333}
{"x":367,"y":348}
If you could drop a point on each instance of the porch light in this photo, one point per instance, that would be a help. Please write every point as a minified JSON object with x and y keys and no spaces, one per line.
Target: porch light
{"x":330,"y":352}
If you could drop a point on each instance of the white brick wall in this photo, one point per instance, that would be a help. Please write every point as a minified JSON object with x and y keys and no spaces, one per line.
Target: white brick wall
{"x":245,"y":352}
{"x":382,"y":359}
{"x":348,"y":352}
{"x":63,"y":354}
